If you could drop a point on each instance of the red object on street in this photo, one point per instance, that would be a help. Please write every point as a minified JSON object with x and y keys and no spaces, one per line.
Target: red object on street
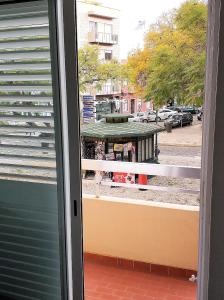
{"x":123,"y":177}
{"x":142,"y":179}
{"x":119,"y":177}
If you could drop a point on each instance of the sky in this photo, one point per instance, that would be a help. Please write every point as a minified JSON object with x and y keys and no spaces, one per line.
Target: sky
{"x":133,"y":11}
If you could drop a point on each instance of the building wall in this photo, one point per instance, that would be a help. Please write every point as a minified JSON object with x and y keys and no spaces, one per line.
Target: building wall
{"x":83,"y":9}
{"x":157,"y":233}
{"x":139,"y":105}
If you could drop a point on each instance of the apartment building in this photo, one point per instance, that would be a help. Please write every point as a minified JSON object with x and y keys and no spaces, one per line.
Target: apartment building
{"x":99,"y":25}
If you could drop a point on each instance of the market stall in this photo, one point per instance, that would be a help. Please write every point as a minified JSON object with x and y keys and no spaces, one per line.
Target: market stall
{"x":120,"y":140}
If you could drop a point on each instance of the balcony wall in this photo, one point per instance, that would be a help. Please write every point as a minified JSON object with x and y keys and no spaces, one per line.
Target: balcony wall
{"x":157,"y":233}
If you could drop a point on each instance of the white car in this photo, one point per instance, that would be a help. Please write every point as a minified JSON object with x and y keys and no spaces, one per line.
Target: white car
{"x":164,"y":114}
{"x":144,"y":117}
{"x":137,"y":117}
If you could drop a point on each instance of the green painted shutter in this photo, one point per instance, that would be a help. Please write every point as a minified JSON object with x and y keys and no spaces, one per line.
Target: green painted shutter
{"x":31,"y":229}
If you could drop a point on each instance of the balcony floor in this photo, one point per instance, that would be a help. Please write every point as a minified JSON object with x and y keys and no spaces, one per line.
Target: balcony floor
{"x":105,"y":282}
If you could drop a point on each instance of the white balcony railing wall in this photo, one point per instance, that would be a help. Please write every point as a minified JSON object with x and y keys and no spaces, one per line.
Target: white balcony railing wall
{"x":100,"y":166}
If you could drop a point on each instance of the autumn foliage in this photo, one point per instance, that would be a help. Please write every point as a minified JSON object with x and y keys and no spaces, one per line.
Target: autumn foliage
{"x":172,"y":64}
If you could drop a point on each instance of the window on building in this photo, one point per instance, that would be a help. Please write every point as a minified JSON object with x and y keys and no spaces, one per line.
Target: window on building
{"x":139,"y":104}
{"x":100,"y":27}
{"x":92,"y":26}
{"x":125,"y":107}
{"x":108,"y":54}
{"x":103,"y":31}
{"x":105,"y":54}
{"x":107,"y":89}
{"x":108,"y":28}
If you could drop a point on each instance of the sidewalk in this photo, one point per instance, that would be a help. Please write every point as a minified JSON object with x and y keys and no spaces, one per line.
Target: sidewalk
{"x":185,"y":136}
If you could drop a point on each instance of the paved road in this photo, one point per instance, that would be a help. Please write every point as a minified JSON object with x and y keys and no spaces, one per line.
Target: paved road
{"x":180,"y":155}
{"x":180,"y":151}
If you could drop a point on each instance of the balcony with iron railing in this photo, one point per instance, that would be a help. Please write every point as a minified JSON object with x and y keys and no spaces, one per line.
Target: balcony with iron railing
{"x":102,"y":38}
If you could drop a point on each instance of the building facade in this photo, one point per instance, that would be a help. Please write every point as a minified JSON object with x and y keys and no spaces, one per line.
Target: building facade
{"x":99,"y":25}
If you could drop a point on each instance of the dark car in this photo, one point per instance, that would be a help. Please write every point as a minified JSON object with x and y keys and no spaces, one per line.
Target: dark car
{"x":180,"y":119}
{"x":191,"y":109}
{"x":187,"y":109}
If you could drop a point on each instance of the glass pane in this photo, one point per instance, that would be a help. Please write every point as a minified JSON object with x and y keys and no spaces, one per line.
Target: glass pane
{"x":108,"y":28}
{"x":92,"y":26}
{"x":122,"y":201}
{"x":100,"y":27}
{"x":30,"y":227}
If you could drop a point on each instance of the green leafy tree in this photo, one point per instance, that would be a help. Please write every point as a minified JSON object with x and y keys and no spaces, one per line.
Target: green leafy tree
{"x":93,"y":72}
{"x":174,"y":56}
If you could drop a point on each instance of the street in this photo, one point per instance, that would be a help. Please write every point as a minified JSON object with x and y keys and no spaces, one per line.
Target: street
{"x":180,"y":155}
{"x":181,"y":147}
{"x":180,"y":150}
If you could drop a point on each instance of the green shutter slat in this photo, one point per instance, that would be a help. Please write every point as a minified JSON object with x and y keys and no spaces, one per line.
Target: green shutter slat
{"x":25,"y":54}
{"x":22,"y":32}
{"x":21,"y":129}
{"x":27,"y":21}
{"x":25,"y":88}
{"x":23,"y":44}
{"x":25,"y":148}
{"x":23,"y":77}
{"x":21,"y":118}
{"x":23,"y":109}
{"x":22,"y":98}
{"x":38,"y":66}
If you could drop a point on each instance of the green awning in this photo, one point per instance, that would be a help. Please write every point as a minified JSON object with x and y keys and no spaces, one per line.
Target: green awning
{"x":120,"y":130}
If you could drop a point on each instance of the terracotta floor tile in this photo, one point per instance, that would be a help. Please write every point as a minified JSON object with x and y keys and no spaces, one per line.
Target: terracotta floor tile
{"x":105,"y":282}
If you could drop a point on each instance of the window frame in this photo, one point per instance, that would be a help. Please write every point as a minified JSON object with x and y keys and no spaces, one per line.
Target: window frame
{"x":211,"y":249}
{"x":65,"y":52}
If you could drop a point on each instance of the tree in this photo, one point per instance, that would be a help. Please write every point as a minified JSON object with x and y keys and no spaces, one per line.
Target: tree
{"x":136,"y":70}
{"x":174,"y":56}
{"x":92,"y":71}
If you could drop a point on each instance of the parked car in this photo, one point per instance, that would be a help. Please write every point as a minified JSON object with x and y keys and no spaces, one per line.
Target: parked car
{"x":138,"y":117}
{"x":180,"y":108}
{"x":144,"y":117}
{"x":191,"y":109}
{"x":180,"y":119}
{"x":187,"y":109}
{"x":152,"y":116}
{"x":164,"y":114}
{"x":200,"y":115}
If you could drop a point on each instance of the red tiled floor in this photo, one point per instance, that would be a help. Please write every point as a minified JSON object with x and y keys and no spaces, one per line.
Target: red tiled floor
{"x":105,"y":282}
